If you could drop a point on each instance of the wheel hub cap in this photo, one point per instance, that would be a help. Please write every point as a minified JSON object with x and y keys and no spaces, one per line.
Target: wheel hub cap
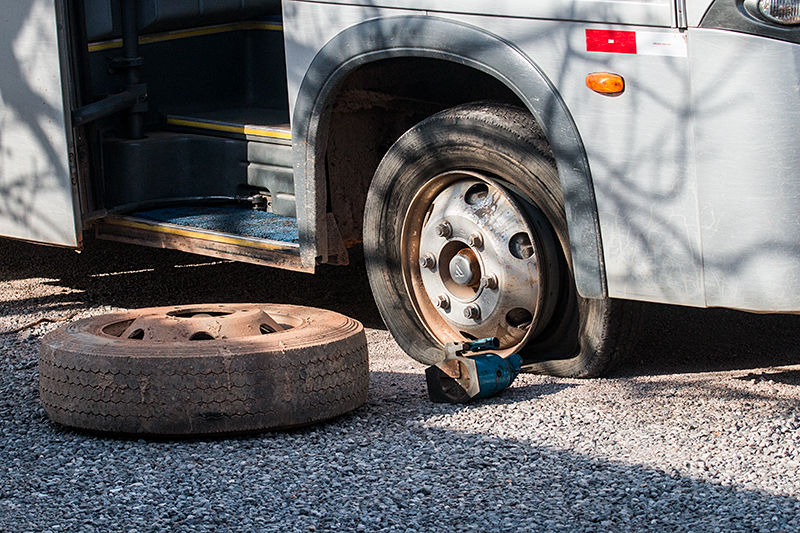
{"x":202,"y":322}
{"x":465,"y":268}
{"x":476,"y":251}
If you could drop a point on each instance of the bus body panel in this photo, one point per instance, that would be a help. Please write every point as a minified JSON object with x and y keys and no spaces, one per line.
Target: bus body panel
{"x":696,"y":10}
{"x":746,"y":108}
{"x":639,"y":145}
{"x":36,"y":189}
{"x":420,"y":36}
{"x":643,"y":12}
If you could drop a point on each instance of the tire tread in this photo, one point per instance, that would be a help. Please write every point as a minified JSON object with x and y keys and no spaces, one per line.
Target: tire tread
{"x":205,"y":393}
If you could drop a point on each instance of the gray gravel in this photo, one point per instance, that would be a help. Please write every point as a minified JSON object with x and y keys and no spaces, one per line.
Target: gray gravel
{"x":700,"y":432}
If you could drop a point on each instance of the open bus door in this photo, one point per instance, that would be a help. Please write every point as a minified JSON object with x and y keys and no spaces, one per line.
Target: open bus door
{"x":37,"y":191}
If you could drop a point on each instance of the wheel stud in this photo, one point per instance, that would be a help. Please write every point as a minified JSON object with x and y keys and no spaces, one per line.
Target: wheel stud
{"x":444,"y":230}
{"x":489,"y":281}
{"x":472,"y":311}
{"x":475,"y":240}
{"x":427,"y":261}
{"x":443,"y":302}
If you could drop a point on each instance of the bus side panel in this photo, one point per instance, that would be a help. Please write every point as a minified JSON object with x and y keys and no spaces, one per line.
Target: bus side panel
{"x":639,"y":144}
{"x":646,"y":12}
{"x":695,"y":10}
{"x":747,"y":113}
{"x":36,"y":193}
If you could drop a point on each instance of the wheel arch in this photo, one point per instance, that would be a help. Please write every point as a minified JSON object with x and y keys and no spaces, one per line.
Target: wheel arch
{"x":439,"y":39}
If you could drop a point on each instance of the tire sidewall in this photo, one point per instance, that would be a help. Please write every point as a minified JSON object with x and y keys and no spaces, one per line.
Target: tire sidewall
{"x":312,"y":372}
{"x":493,"y":140}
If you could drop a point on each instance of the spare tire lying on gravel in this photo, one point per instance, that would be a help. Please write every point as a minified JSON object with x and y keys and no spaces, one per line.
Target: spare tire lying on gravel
{"x":204,"y":369}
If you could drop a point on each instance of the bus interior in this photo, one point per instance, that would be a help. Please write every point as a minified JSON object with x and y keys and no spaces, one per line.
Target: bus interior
{"x":187,"y":142}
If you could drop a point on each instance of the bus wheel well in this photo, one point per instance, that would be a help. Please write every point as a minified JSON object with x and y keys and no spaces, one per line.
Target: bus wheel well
{"x":374,"y":106}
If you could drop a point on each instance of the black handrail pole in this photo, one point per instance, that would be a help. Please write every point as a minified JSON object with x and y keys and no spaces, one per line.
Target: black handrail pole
{"x":130,"y":54}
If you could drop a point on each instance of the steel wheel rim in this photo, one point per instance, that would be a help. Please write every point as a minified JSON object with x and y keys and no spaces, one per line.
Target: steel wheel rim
{"x":204,"y":322}
{"x":471,"y":261}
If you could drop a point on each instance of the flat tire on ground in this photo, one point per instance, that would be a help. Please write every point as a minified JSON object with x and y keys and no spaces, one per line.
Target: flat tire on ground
{"x":465,"y":236}
{"x":96,"y":375}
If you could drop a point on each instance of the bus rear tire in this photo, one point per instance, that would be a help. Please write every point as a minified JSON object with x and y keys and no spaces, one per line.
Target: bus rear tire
{"x":465,"y":237}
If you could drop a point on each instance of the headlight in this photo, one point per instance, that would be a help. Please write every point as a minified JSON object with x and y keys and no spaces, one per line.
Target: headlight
{"x":781,"y":11}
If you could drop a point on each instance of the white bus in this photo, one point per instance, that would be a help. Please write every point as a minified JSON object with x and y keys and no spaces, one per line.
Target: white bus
{"x":520,"y":169}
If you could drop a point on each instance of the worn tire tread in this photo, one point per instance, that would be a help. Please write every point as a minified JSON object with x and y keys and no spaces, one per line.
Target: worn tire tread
{"x":269,"y":382}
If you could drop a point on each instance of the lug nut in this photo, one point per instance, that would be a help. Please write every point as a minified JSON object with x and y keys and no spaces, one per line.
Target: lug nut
{"x":475,"y":240}
{"x":427,"y":261}
{"x":444,"y":230}
{"x":472,"y":311}
{"x":443,"y":302}
{"x":489,"y":281}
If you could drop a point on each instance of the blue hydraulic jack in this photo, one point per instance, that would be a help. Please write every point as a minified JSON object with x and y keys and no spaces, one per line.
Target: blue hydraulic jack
{"x":461,"y":378}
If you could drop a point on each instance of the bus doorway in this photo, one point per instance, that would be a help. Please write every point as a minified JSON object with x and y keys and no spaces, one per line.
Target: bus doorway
{"x":200,"y":158}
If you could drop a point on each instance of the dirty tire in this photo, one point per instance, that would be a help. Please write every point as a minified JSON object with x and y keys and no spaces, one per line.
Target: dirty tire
{"x":92,"y":380}
{"x":579,"y":337}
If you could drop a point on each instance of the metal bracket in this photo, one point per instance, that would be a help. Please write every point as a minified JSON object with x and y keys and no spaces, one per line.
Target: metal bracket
{"x":122,"y":63}
{"x":453,"y":350}
{"x":140,"y":93}
{"x":681,"y":18}
{"x":133,"y":98}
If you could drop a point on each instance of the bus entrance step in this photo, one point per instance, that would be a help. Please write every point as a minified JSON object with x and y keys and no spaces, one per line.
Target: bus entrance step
{"x":231,"y":220}
{"x":225,"y":232}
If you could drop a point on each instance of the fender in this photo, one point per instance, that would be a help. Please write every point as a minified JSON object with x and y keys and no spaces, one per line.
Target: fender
{"x":431,"y":37}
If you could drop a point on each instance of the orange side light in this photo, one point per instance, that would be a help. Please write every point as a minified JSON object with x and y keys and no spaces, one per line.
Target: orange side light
{"x":605,"y":83}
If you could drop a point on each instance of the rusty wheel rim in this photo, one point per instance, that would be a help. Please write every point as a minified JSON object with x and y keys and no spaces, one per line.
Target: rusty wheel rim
{"x":201,"y":323}
{"x":471,"y":261}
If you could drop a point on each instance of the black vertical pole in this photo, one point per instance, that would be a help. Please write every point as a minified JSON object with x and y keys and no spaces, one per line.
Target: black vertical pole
{"x":130,"y":54}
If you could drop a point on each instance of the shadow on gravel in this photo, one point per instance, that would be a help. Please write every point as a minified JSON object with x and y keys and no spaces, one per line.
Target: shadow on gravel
{"x":114,"y":274}
{"x":702,"y":392}
{"x":399,"y":462}
{"x":790,"y":377}
{"x":394,"y":464}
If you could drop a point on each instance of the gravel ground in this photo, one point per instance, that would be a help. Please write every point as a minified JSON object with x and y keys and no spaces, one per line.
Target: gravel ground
{"x":699,"y":432}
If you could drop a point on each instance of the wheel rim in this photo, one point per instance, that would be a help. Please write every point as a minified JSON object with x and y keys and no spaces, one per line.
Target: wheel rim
{"x":200,"y":323}
{"x":473,"y":263}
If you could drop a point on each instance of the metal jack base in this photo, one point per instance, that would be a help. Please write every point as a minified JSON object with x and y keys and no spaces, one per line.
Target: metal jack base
{"x":462,"y":378}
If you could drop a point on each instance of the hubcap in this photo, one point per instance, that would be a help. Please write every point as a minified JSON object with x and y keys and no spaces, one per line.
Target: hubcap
{"x":465,"y":268}
{"x":201,"y":322}
{"x":467,"y":242}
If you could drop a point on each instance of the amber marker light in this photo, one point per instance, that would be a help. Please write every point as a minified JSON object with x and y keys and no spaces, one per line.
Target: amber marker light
{"x":605,"y":83}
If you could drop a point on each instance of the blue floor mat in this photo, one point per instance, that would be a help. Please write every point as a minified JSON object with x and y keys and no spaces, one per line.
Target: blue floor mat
{"x":236,"y":221}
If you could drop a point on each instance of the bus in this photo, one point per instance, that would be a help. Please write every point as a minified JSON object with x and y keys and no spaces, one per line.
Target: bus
{"x":518,"y":169}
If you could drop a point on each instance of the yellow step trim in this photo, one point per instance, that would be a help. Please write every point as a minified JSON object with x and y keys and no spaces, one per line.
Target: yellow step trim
{"x":183,"y":34}
{"x":259,"y":131}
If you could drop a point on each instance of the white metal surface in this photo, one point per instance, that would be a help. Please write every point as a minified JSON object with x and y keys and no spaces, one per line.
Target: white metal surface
{"x":309,"y":26}
{"x":642,"y":12}
{"x":747,"y":114}
{"x":36,"y":194}
{"x":695,"y":10}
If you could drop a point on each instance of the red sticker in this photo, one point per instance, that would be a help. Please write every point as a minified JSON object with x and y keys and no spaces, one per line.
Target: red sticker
{"x":615,"y":42}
